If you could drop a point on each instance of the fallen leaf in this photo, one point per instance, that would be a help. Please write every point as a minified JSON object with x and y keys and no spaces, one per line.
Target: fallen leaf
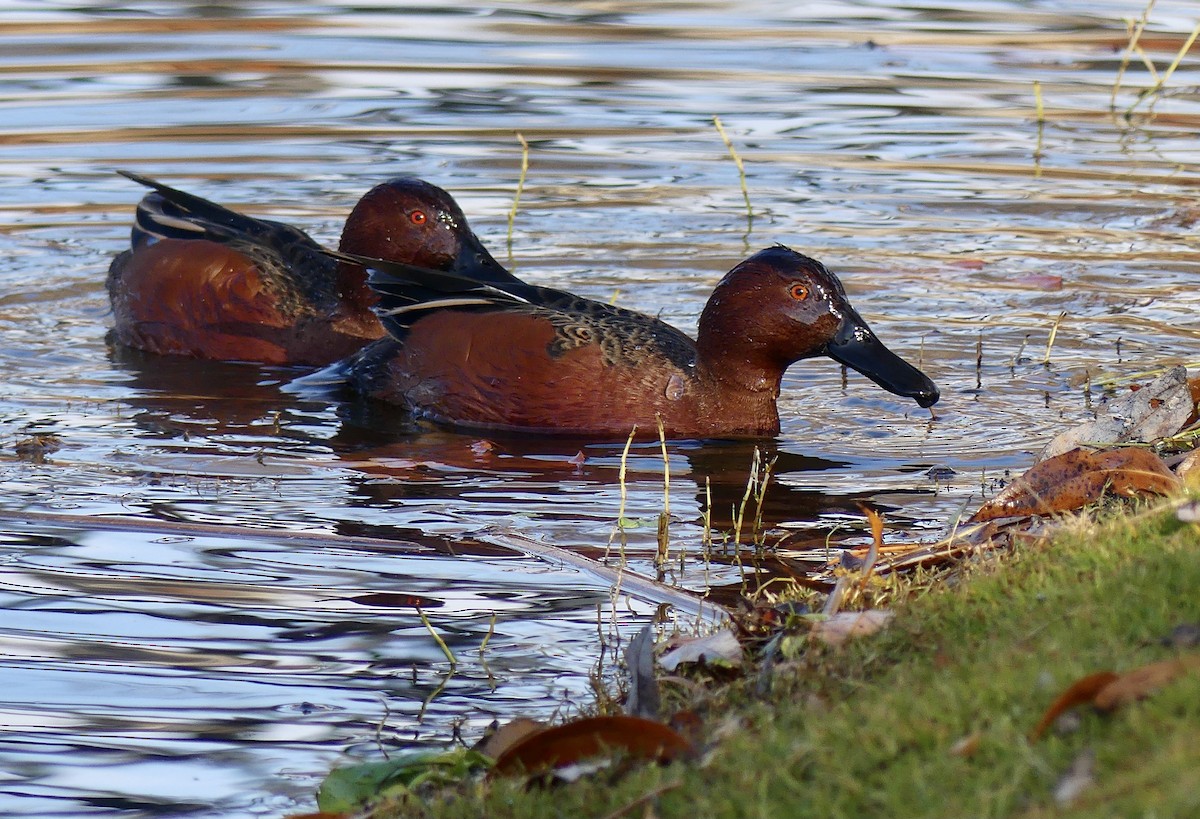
{"x":1106,"y":690}
{"x":591,"y":737}
{"x":843,"y":626}
{"x":1074,"y":479}
{"x":508,"y":735}
{"x":1157,"y":410}
{"x":1079,"y":692}
{"x":720,"y":646}
{"x":1142,"y":682}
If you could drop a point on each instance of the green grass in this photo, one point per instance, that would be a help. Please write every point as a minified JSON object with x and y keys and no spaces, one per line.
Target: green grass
{"x":868,"y":730}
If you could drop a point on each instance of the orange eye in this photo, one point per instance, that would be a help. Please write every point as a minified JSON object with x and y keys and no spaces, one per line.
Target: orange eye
{"x":418,"y":217}
{"x":799,"y":292}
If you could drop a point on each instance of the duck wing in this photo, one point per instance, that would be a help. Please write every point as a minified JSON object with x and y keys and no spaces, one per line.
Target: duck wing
{"x":284,"y":254}
{"x":408,"y":293}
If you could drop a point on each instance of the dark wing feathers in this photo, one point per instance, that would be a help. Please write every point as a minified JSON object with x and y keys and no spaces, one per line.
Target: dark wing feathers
{"x":285,"y":254}
{"x":408,"y":292}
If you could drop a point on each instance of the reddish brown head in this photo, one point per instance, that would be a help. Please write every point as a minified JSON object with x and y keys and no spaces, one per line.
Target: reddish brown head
{"x":411,"y":221}
{"x":778,"y":307}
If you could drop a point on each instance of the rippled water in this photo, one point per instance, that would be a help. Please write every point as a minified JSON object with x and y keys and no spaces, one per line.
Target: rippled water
{"x":147,"y":667}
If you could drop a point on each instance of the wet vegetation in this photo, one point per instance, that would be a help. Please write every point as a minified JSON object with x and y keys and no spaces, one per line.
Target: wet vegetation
{"x":220,"y":583}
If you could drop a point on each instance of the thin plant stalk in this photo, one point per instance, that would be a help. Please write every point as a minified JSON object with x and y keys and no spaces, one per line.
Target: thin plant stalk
{"x":1053,"y":335}
{"x":1040,"y":108}
{"x":487,"y":637}
{"x":1187,"y":46}
{"x":512,"y":213}
{"x":1135,"y":34}
{"x":737,"y":160}
{"x":437,"y":638}
{"x":664,"y":517}
{"x":624,"y":490}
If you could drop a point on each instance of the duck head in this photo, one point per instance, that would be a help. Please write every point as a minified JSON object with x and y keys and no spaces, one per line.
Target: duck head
{"x":778,"y":307}
{"x":411,"y":221}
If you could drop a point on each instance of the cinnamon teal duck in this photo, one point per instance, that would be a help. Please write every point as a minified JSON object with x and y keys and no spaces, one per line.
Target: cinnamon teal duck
{"x":205,"y":281}
{"x":506,"y":355}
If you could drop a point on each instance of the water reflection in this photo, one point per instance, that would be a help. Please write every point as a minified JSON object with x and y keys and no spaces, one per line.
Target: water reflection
{"x":171,"y":671}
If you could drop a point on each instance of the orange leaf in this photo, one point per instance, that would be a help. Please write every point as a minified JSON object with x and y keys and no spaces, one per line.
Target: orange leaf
{"x":1142,"y":682}
{"x":1079,"y":477}
{"x":1081,"y":691}
{"x":594,"y":736}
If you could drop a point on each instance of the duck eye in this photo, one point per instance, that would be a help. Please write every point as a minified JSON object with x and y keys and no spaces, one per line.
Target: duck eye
{"x":418,"y":217}
{"x":799,"y":292}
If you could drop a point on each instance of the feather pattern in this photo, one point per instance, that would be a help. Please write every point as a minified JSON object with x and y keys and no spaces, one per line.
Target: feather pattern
{"x":409,"y":292}
{"x":274,"y":247}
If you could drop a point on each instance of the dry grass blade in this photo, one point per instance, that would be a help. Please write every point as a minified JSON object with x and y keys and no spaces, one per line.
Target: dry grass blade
{"x":876,"y":522}
{"x":1187,"y":46}
{"x":664,"y":517}
{"x":737,"y":160}
{"x":623,"y":488}
{"x":437,"y":638}
{"x":512,"y":213}
{"x":1053,"y":336}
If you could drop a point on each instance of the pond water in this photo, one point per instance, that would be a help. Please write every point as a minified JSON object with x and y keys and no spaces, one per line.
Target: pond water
{"x":209,"y":588}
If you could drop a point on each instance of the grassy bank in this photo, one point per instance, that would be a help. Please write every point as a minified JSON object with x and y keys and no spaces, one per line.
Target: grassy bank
{"x":930,"y":717}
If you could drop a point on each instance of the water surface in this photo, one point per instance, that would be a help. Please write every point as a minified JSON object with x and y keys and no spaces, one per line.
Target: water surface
{"x":148,"y":669}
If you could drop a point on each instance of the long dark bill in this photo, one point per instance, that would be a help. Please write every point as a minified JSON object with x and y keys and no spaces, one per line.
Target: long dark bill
{"x":474,"y":262}
{"x":858,"y":348}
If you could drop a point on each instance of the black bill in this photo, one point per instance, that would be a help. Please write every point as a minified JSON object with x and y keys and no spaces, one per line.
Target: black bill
{"x":858,"y":348}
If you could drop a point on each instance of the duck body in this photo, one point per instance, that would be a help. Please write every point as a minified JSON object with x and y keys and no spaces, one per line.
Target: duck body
{"x":205,"y":281}
{"x":512,"y":356}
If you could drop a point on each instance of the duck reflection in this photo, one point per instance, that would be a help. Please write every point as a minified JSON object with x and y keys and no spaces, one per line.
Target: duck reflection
{"x":180,"y":397}
{"x":401,"y":460}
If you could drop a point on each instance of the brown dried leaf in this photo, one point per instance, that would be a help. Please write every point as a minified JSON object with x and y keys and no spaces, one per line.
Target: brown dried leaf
{"x":1142,"y":682}
{"x":1081,"y":691}
{"x":1079,"y":477}
{"x":1106,"y":691}
{"x":595,"y":736}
